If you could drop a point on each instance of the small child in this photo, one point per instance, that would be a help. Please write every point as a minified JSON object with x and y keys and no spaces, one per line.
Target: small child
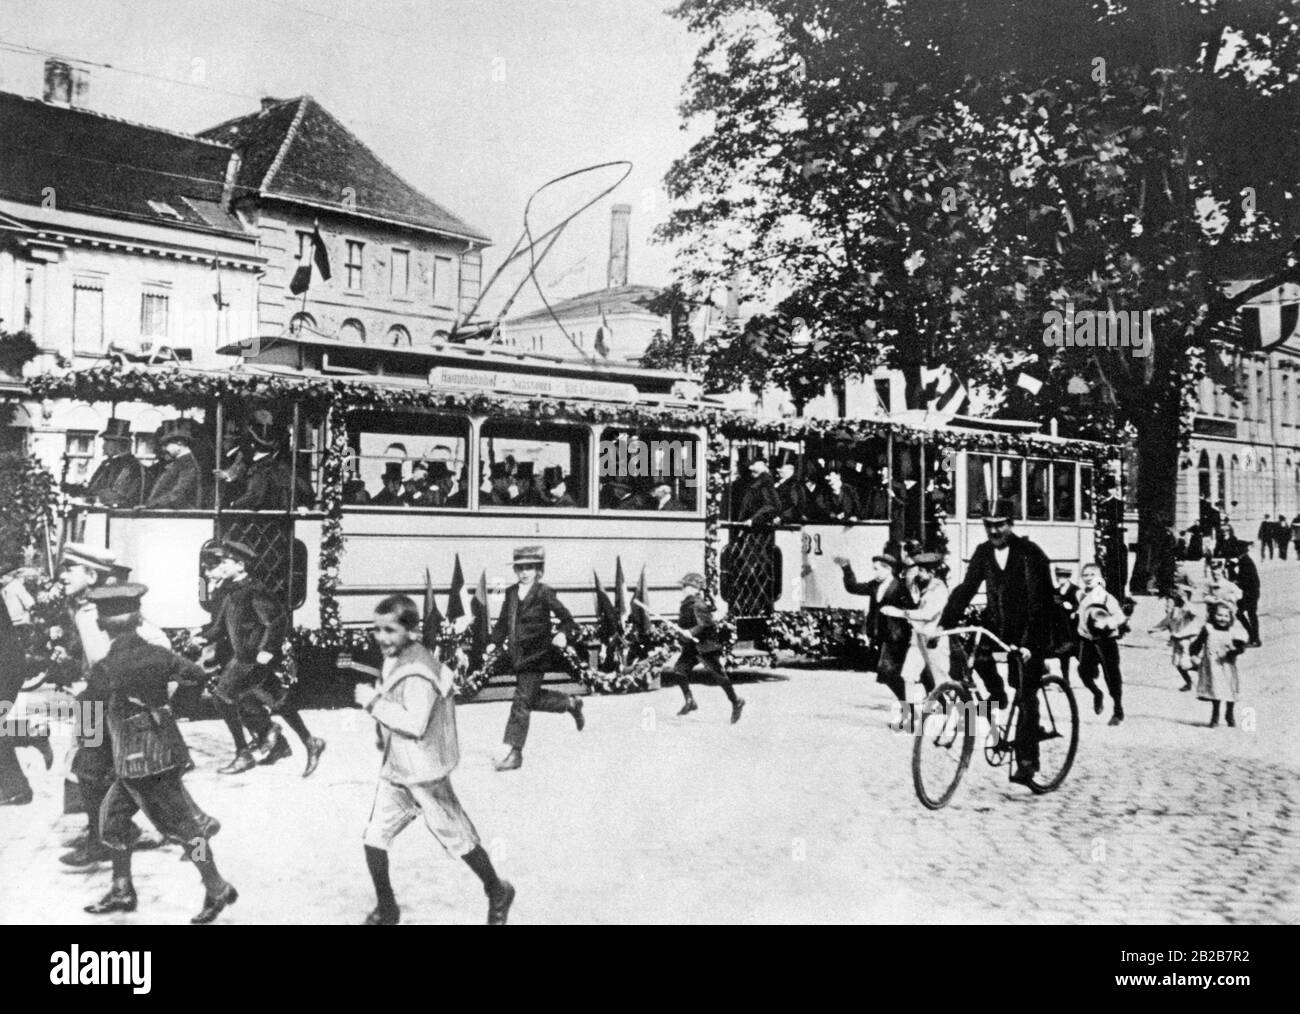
{"x":414,"y":707}
{"x":1101,"y":625}
{"x":1217,"y":646}
{"x":1183,"y":625}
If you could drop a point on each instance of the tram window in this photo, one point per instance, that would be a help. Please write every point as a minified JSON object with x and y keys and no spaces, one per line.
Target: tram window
{"x":406,"y":460}
{"x":648,"y":470}
{"x":526,"y":465}
{"x":1063,"y":490}
{"x":1085,"y":493}
{"x":1010,"y":472}
{"x":979,"y":483}
{"x":1036,"y":507}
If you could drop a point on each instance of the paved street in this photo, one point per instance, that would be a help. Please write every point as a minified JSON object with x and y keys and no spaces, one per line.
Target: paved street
{"x":802,"y":812}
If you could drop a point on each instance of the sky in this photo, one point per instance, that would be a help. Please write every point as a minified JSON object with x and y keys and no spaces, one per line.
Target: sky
{"x":474,"y":102}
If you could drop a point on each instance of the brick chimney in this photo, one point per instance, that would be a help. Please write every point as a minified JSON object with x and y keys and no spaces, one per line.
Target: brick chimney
{"x":66,"y":84}
{"x":619,"y":217}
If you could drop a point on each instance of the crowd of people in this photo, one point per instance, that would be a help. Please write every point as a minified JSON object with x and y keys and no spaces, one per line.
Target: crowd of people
{"x":255,"y":472}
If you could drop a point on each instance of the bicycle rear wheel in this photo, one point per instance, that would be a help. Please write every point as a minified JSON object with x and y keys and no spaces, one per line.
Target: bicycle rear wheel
{"x":943,"y":741}
{"x":1058,"y":734}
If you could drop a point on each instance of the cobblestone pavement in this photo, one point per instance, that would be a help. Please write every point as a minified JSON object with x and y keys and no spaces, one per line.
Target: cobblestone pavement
{"x":802,"y":812}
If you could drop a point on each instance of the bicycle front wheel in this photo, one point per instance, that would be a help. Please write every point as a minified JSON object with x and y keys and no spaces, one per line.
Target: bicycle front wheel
{"x":1058,"y":734}
{"x":943,"y":739}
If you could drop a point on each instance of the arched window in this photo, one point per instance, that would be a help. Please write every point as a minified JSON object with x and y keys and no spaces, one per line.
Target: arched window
{"x":1221,"y":480}
{"x":1203,"y":476}
{"x":1207,"y":396}
{"x":398,"y":335}
{"x":352,"y":330}
{"x":1234,"y":478}
{"x":1285,"y":414}
{"x":301,"y":320}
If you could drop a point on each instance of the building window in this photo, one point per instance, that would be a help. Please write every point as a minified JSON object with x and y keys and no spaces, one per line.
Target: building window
{"x":87,"y":316}
{"x":301,"y":320}
{"x":352,"y":330}
{"x":79,"y":449}
{"x":354,"y":264}
{"x":471,"y":273}
{"x":154,"y":308}
{"x":399,"y":282}
{"x":444,"y":281}
{"x":398,"y":335}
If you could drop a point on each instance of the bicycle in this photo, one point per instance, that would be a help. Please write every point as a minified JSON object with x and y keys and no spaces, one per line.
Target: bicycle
{"x":946,"y":738}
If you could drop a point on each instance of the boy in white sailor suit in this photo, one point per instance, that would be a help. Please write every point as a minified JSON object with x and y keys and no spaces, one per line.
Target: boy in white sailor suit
{"x":414,"y":707}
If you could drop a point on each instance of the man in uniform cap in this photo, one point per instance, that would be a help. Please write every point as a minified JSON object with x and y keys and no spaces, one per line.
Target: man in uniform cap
{"x":149,"y":754}
{"x":119,"y":481}
{"x":701,"y":646}
{"x":525,"y":625}
{"x":250,"y":626}
{"x":82,"y":568}
{"x":180,"y":485}
{"x":1017,"y":579}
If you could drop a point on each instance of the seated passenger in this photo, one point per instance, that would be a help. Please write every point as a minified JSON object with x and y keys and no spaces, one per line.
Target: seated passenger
{"x":813,"y":503}
{"x":507,"y":489}
{"x":417,"y":492}
{"x":354,"y":492}
{"x":180,"y":484}
{"x":554,"y":489}
{"x":662,"y":499}
{"x":441,"y":483}
{"x":617,"y":494}
{"x":391,"y":494}
{"x":270,"y":481}
{"x":839,"y":502}
{"x":458,"y":495}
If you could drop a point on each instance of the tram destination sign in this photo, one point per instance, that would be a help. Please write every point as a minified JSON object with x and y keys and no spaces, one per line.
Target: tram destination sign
{"x":531,"y":384}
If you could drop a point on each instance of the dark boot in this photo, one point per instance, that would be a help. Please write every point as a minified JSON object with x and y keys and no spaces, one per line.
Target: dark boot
{"x":688,"y":706}
{"x":575,"y":709}
{"x":88,"y":855}
{"x":121,"y":898}
{"x":381,"y":916}
{"x":213,"y":905}
{"x":499,"y":902}
{"x":315,"y":747}
{"x":272,"y":746}
{"x":737,"y":706}
{"x":511,"y":761}
{"x":243,"y":762}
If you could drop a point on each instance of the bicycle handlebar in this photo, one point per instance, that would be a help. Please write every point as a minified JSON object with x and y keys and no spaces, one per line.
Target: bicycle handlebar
{"x":978,"y":632}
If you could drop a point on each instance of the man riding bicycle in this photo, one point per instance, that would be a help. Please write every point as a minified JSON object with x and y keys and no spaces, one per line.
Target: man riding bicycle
{"x":1017,"y":579}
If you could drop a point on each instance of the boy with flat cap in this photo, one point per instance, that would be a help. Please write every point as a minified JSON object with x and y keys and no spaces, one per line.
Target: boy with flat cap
{"x":149,"y":755}
{"x":249,"y":627}
{"x":699,"y":633}
{"x":888,"y":637}
{"x":525,"y":623}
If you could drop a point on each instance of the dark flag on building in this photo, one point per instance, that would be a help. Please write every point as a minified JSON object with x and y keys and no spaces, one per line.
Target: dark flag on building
{"x":313,"y":253}
{"x":1268,"y":325}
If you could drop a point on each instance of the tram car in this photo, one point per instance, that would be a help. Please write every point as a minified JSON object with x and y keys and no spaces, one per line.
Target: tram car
{"x":356,"y":472}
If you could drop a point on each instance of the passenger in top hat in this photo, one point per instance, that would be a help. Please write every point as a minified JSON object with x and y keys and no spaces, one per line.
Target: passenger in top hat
{"x":391,"y":494}
{"x":270,"y":482}
{"x":662,"y":499}
{"x":812,"y":488}
{"x":888,"y":637}
{"x":120,"y":479}
{"x":759,"y":504}
{"x":149,"y":755}
{"x":556,"y":489}
{"x":1017,"y":578}
{"x":525,"y":625}
{"x":790,"y":491}
{"x":249,"y":627}
{"x":180,"y":485}
{"x":699,"y":633}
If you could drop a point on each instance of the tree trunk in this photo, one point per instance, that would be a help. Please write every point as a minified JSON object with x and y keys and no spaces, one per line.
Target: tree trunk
{"x":1158,"y":432}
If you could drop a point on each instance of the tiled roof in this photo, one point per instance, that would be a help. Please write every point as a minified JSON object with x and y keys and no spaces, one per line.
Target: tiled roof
{"x":296,"y":151}
{"x":103,"y":165}
{"x":621,"y":299}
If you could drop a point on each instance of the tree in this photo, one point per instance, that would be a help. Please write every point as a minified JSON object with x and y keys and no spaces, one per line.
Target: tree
{"x":923,"y":181}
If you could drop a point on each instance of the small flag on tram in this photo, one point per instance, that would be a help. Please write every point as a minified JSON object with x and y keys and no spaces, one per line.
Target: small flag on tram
{"x":603,"y":334}
{"x":482,"y":627}
{"x":1031,"y":384}
{"x":641,"y":619}
{"x":456,"y":599}
{"x":313,"y":252}
{"x":432,"y":615}
{"x":1268,"y":325}
{"x":606,"y":614}
{"x":620,"y":592}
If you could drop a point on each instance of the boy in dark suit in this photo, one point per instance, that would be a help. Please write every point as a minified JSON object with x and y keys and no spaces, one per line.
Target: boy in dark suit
{"x":700,"y":634}
{"x":525,"y":622}
{"x":888,"y":638}
{"x":149,"y":755}
{"x":180,"y":486}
